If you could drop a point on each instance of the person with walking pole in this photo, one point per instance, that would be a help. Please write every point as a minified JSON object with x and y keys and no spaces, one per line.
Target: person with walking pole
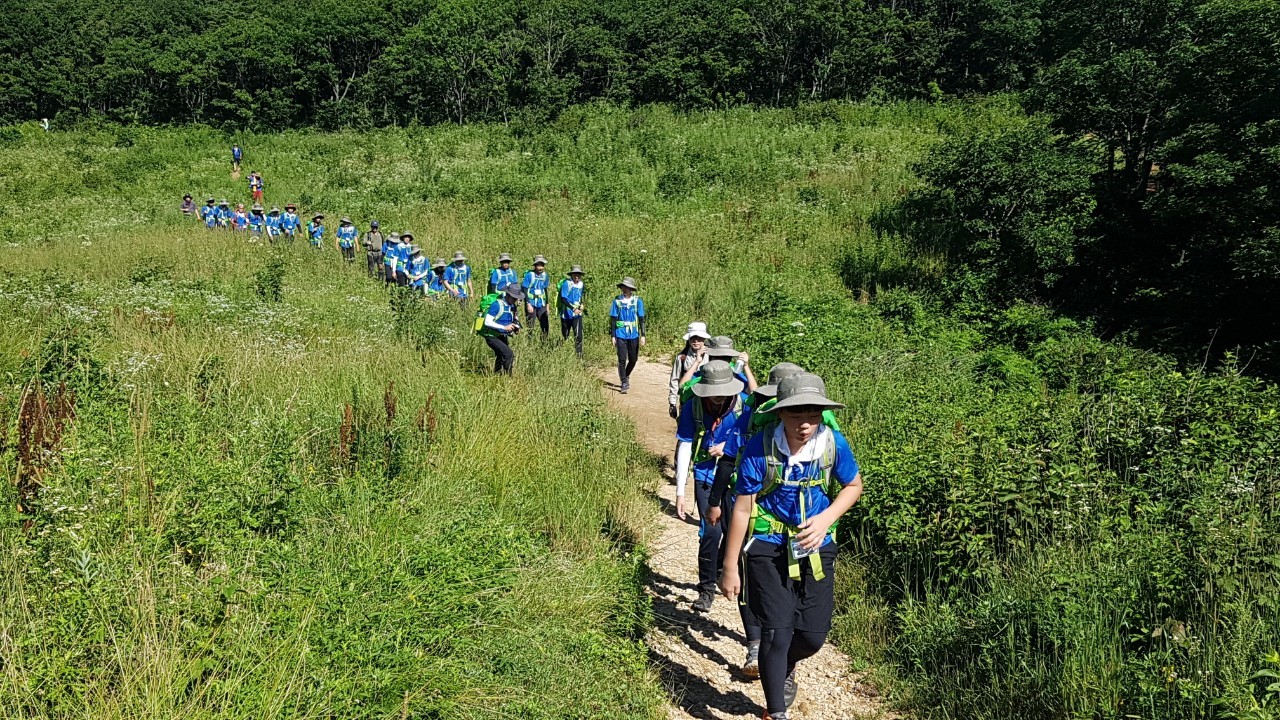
{"x":500,"y":324}
{"x":691,"y":357}
{"x":536,"y":283}
{"x":796,"y":478}
{"x":707,"y":425}
{"x":569,"y":302}
{"x":626,"y":320}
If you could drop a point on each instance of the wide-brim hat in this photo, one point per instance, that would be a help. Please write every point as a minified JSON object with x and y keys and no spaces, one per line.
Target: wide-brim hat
{"x":439,"y":263}
{"x":290,"y":206}
{"x":696,"y":329}
{"x":415,"y":250}
{"x":504,"y":257}
{"x":575,"y":270}
{"x":718,"y":380}
{"x":803,"y":390}
{"x":275,"y":209}
{"x":223,"y":202}
{"x":459,"y":257}
{"x":345,"y":221}
{"x":317,"y":216}
{"x":514,"y":291}
{"x":539,"y":260}
{"x":257,"y":207}
{"x":777,"y":374}
{"x":394,"y":236}
{"x":406,"y":234}
{"x":209,"y":201}
{"x":628,"y":283}
{"x":721,"y":346}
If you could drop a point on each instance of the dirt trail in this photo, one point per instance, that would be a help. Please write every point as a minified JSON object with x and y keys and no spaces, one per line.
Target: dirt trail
{"x":700,"y":655}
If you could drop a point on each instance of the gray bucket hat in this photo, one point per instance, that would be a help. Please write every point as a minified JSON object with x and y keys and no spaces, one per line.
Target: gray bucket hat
{"x":575,"y":270}
{"x":274,"y":210}
{"x":459,"y":256}
{"x":256,"y":207}
{"x":803,"y":390}
{"x":717,"y":381}
{"x":439,"y":263}
{"x":514,"y":291}
{"x":628,"y":283}
{"x":777,"y":374}
{"x":404,"y":236}
{"x":504,"y":257}
{"x":394,"y":236}
{"x":415,"y":250}
{"x":721,"y":346}
{"x":539,"y":259}
{"x":345,"y":220}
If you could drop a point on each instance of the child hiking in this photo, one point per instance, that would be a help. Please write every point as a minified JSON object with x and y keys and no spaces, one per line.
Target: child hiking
{"x":569,"y":302}
{"x":499,"y":325}
{"x":626,"y":322}
{"x":536,"y":283}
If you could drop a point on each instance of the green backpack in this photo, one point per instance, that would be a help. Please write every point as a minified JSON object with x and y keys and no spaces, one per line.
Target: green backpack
{"x":485,"y":302}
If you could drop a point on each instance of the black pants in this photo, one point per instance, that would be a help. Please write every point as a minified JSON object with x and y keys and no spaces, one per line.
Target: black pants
{"x":710,"y":549}
{"x":543,"y":318}
{"x":387,"y":276}
{"x":375,"y":264}
{"x":574,"y":324}
{"x":628,"y":355}
{"x":503,"y":357}
{"x":348,"y":253}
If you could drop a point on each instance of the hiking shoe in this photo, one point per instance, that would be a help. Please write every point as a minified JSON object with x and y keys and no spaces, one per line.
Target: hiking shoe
{"x":789,"y":688}
{"x":705,"y":598}
{"x":625,"y":388}
{"x":751,"y":667}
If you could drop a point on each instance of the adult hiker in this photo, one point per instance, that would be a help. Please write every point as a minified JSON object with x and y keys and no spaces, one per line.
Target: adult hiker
{"x":501,"y":276}
{"x":257,"y":221}
{"x":417,"y":269}
{"x":273,"y":225}
{"x":626,"y":318}
{"x":796,"y":478}
{"x":255,"y":186}
{"x":239,"y":218}
{"x":691,"y":357}
{"x":315,"y":230}
{"x":372,"y":242}
{"x":345,"y":239}
{"x":436,"y":287}
{"x":236,"y":155}
{"x":404,"y":252}
{"x":536,"y":283}
{"x":389,"y":257}
{"x":189,"y":205}
{"x":457,"y":278}
{"x":290,"y":222}
{"x":708,"y":422}
{"x":569,"y":302}
{"x":500,"y":324}
{"x":209,"y":214}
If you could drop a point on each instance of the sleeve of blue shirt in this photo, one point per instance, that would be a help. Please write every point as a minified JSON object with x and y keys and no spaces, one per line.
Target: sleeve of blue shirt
{"x":686,"y":430}
{"x":751,"y":466}
{"x":639,"y":307}
{"x":613,"y":309}
{"x":846,"y":467}
{"x":495,"y":309}
{"x":527,"y":281}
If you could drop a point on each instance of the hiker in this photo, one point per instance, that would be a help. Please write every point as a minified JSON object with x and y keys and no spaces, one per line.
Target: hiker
{"x":257,"y":221}
{"x":501,"y":276}
{"x":189,"y":205}
{"x":707,"y":423}
{"x":781,"y":549}
{"x":209,"y":214}
{"x":345,"y":239}
{"x":404,"y":252}
{"x":255,"y":186}
{"x":569,"y":302}
{"x":289,"y":222}
{"x":536,"y":282}
{"x":236,"y":156}
{"x":693,"y":354}
{"x":315,"y":230}
{"x":372,"y":242}
{"x":721,"y":347}
{"x":417,"y":269}
{"x":224,"y":214}
{"x":436,"y":287}
{"x":389,"y":258}
{"x":239,"y":218}
{"x":458,"y":278}
{"x":273,"y":224}
{"x":626,"y":318}
{"x":500,"y":324}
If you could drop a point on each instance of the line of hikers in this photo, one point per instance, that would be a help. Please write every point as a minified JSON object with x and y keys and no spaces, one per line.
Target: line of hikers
{"x":772,"y":475}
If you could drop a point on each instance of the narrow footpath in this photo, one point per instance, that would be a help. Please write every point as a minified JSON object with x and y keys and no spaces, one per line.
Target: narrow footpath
{"x":699,"y":655}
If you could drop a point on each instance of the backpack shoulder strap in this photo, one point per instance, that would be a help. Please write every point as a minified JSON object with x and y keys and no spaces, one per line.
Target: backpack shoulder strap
{"x":774,"y":465}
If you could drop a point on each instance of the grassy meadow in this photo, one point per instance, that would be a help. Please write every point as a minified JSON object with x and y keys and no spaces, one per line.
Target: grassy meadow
{"x":280,"y":491}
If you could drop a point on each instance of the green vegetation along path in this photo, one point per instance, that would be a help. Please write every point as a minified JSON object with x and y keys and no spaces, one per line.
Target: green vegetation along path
{"x":700,"y":655}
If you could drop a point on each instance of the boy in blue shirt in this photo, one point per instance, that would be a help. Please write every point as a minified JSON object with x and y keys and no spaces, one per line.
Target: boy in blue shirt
{"x":499,"y":325}
{"x":503,"y":275}
{"x":273,"y":224}
{"x":536,"y":283}
{"x":458,"y":278}
{"x":796,"y":478}
{"x":209,"y":214}
{"x":224,"y":213}
{"x":435,"y":281}
{"x":290,"y":222}
{"x":315,"y":230}
{"x":569,"y":301}
{"x":417,"y":269}
{"x":256,"y":221}
{"x":403,"y":250}
{"x":345,"y":238}
{"x":389,"y":257}
{"x":626,"y":320}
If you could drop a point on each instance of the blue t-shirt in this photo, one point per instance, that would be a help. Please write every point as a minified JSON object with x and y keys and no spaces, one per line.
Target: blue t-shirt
{"x":346,"y":235}
{"x":571,"y":296}
{"x":211,"y":215}
{"x":388,"y":252}
{"x":417,"y":265}
{"x":500,"y":312}
{"x":499,"y":279}
{"x":535,"y":287}
{"x":273,"y":224}
{"x":784,"y":502}
{"x":256,"y":221}
{"x":400,"y":254}
{"x":316,"y":231}
{"x":289,"y":221}
{"x":435,"y":284}
{"x":719,"y":430}
{"x":625,"y":315}
{"x":458,"y":275}
{"x":235,"y":153}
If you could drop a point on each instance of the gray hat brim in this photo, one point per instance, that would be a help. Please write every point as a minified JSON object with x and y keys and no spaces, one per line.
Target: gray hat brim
{"x":728,"y":389}
{"x":769,"y":391}
{"x":515,"y":294}
{"x":805,"y":400}
{"x":718,"y":352}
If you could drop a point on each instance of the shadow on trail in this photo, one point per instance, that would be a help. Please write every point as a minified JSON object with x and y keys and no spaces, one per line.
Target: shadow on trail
{"x":677,"y":615}
{"x":684,"y":687}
